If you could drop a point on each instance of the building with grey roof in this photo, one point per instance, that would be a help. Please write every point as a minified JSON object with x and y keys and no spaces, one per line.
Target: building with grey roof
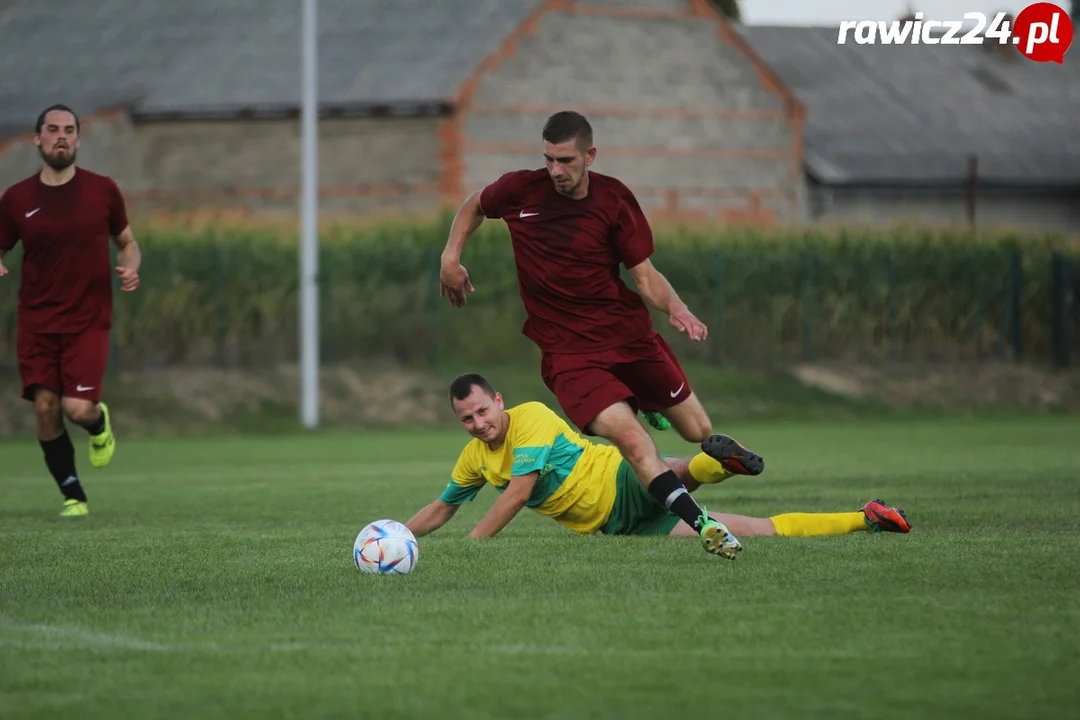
{"x":196,"y":105}
{"x":942,"y":132}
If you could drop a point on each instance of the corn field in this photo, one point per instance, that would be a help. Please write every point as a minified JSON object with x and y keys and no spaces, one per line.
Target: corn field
{"x":227,"y":295}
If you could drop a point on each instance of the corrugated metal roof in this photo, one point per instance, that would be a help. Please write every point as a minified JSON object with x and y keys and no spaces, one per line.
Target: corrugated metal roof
{"x":915,"y":113}
{"x":226,"y":56}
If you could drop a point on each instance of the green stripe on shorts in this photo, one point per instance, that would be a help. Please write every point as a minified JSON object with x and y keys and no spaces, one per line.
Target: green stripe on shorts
{"x":635,"y":511}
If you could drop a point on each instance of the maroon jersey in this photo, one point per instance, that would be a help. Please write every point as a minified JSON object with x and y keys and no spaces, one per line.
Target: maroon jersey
{"x":65,"y":230}
{"x":568,"y":253}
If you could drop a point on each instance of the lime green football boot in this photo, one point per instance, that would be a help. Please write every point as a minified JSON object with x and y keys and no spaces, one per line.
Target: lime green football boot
{"x":716,"y":538}
{"x":74,"y":508}
{"x":103,"y":445}
{"x":656,"y":420}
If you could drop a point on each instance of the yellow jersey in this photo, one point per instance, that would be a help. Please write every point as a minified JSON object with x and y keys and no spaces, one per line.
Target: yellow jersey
{"x":576,"y":484}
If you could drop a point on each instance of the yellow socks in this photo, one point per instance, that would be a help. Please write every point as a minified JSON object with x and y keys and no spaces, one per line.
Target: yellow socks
{"x":808,"y":524}
{"x":706,"y":470}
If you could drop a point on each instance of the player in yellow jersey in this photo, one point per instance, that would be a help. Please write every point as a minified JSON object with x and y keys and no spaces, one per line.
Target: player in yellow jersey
{"x":535,"y":459}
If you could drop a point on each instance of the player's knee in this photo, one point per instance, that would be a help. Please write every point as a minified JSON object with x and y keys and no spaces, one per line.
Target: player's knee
{"x":637,"y":448}
{"x":697,"y":430}
{"x":47,"y":405}
{"x":50,"y":421}
{"x":81,"y":412}
{"x":619,"y":425}
{"x":691,"y":421}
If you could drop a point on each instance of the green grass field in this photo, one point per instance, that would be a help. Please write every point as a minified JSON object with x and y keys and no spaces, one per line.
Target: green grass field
{"x":214,"y":579}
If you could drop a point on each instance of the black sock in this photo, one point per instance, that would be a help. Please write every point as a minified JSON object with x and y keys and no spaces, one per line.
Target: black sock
{"x":674,"y":496}
{"x":98,"y":427}
{"x":60,"y":459}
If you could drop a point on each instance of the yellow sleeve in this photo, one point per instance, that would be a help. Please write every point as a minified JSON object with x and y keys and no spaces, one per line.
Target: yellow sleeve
{"x":465,"y":481}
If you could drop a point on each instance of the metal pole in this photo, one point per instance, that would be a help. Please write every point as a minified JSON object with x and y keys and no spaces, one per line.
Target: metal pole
{"x":309,"y":212}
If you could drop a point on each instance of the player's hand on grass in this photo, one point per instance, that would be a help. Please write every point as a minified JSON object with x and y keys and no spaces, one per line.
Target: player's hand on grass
{"x":684,"y":321}
{"x":3,"y":270}
{"x":129,"y":279}
{"x":455,"y":283}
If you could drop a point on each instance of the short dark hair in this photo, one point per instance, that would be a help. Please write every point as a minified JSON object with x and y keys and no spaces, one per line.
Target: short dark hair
{"x":462,"y":386}
{"x":46,"y":111}
{"x":569,"y":125}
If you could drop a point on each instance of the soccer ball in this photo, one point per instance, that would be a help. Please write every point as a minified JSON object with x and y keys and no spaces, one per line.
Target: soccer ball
{"x":385,"y":547}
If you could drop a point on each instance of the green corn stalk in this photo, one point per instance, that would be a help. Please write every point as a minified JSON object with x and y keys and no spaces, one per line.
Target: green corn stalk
{"x":228,"y":293}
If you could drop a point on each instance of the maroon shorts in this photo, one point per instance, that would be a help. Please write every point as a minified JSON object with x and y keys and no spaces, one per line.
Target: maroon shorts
{"x":71,"y":365}
{"x":644,"y":372}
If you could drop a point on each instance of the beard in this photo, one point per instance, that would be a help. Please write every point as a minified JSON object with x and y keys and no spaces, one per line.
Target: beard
{"x":58,"y":161}
{"x":567,"y":188}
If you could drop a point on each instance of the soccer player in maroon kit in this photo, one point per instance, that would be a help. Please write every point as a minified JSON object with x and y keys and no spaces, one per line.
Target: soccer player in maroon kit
{"x":64,"y":216}
{"x":571,"y":228}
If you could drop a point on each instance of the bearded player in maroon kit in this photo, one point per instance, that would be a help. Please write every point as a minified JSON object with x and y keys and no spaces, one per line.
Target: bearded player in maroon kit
{"x":64,"y":217}
{"x":571,"y":228}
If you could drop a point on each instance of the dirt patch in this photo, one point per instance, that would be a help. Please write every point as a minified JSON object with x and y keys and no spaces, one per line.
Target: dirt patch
{"x":952,"y":387}
{"x":199,"y":400}
{"x":829,"y":380}
{"x":348,"y":395}
{"x":209,"y":400}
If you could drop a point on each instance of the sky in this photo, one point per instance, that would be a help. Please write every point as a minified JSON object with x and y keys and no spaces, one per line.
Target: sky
{"x":831,"y":12}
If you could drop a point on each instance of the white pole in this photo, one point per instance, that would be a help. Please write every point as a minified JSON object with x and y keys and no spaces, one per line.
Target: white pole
{"x":309,"y":241}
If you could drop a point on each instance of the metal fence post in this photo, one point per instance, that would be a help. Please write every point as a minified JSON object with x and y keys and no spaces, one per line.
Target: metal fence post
{"x":221,"y":299}
{"x":809,"y":262}
{"x":1059,"y":311}
{"x":1015,"y":287}
{"x":718,"y":295}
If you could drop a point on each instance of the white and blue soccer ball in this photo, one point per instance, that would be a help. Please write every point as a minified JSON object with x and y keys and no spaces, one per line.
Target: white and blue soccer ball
{"x":386,"y":547}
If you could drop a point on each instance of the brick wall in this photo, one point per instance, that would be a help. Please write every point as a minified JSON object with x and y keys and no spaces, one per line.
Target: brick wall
{"x":365,"y":164}
{"x":680,"y":113}
{"x":105,"y":147}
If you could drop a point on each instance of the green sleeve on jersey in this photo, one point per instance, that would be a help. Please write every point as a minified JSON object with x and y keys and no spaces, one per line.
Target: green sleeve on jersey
{"x":455,"y":494}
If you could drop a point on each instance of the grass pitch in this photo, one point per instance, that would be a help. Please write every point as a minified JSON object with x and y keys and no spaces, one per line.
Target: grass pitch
{"x":213,"y":578}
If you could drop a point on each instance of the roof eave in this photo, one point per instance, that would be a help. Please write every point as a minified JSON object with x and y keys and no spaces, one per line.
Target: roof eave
{"x":418,"y":108}
{"x":951,"y":184}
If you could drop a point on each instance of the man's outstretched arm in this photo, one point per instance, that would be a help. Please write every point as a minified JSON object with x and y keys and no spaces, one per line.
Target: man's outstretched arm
{"x":431,"y":517}
{"x":659,"y":293}
{"x":469,"y":218}
{"x":9,"y":234}
{"x":506,"y":507}
{"x":452,"y":275}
